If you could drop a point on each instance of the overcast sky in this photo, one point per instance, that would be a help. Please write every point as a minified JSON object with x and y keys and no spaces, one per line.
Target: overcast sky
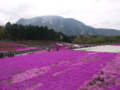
{"x":95,"y":13}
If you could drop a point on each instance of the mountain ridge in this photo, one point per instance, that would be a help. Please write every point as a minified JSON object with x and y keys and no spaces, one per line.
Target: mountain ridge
{"x":68,"y":26}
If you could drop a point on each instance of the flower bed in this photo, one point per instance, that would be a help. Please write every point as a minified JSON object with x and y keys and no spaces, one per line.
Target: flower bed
{"x":105,"y":48}
{"x":3,"y":44}
{"x":8,"y":49}
{"x":36,"y":52}
{"x":63,"y":70}
{"x":16,"y":44}
{"x":116,"y":45}
{"x":61,"y":44}
{"x":18,"y":48}
{"x":27,"y":48}
{"x":11,"y":47}
{"x":108,"y":78}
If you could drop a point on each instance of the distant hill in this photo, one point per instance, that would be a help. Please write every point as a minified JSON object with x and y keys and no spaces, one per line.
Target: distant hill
{"x":68,"y":26}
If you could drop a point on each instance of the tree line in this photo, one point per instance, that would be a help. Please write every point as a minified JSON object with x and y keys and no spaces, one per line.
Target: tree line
{"x":30,"y":32}
{"x":93,"y":39}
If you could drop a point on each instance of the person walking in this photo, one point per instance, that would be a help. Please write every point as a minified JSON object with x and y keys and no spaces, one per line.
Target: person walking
{"x":57,"y":49}
{"x":14,"y":53}
{"x":8,"y":54}
{"x":49,"y":49}
{"x":2,"y":55}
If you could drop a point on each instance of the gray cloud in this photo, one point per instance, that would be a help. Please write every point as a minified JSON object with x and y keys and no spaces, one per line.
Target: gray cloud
{"x":95,"y":13}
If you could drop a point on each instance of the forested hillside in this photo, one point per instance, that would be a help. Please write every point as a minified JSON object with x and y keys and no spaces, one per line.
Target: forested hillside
{"x":67,"y":26}
{"x":18,"y":32}
{"x":30,"y":32}
{"x":92,"y":39}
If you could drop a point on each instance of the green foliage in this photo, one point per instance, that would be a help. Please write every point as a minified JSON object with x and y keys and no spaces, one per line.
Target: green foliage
{"x":4,"y":34}
{"x":29,"y":32}
{"x":83,"y":39}
{"x":99,"y":40}
{"x":117,"y":38}
{"x":77,"y":39}
{"x":1,"y":32}
{"x":65,"y":38}
{"x":19,"y":32}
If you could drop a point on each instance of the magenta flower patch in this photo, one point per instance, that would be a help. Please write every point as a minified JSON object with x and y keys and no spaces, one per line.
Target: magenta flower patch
{"x":26,"y":48}
{"x":60,"y":70}
{"x":11,"y":44}
{"x":116,"y":45}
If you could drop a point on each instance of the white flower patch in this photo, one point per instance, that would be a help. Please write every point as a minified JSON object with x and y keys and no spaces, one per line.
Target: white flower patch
{"x":29,"y":74}
{"x":105,"y":48}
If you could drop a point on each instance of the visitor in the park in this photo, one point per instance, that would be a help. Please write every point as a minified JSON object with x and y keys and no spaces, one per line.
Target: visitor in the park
{"x":13,"y":53}
{"x":49,"y":49}
{"x":70,"y":47}
{"x":8,"y":54}
{"x":57,"y":49}
{"x":32,"y":52}
{"x":1,"y":55}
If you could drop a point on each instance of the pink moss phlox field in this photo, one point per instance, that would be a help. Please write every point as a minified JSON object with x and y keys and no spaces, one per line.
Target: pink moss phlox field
{"x":61,"y":48}
{"x":114,"y":69}
{"x":108,"y":78}
{"x":60,"y":70}
{"x":7,"y":49}
{"x":26,"y":48}
{"x":66,"y":44}
{"x":16,"y":44}
{"x":57,"y":44}
{"x":11,"y":44}
{"x":37,"y":52}
{"x":60,"y":44}
{"x":116,"y":45}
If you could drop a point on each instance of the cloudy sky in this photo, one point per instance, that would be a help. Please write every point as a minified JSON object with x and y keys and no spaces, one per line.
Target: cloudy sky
{"x":95,"y":13}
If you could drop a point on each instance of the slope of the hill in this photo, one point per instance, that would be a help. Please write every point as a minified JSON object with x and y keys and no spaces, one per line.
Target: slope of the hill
{"x":68,"y":26}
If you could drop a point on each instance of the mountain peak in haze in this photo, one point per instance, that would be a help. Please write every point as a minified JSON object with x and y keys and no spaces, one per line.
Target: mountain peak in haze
{"x":68,"y":26}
